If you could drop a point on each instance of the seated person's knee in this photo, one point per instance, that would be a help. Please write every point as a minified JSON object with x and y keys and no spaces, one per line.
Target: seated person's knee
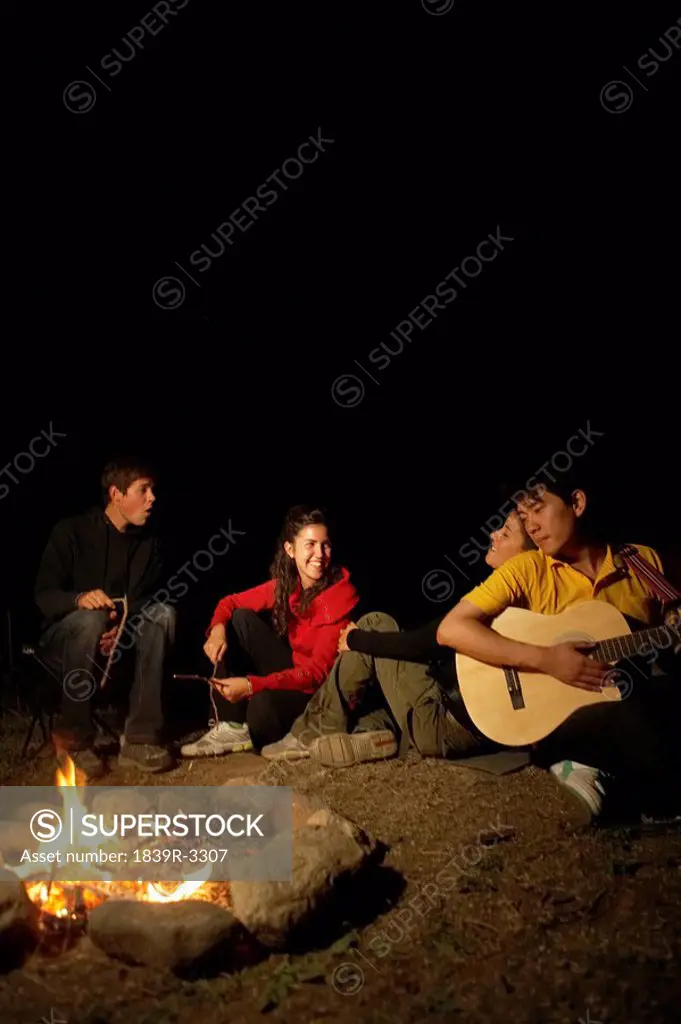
{"x":160,"y":613}
{"x":86,"y":620}
{"x":243,"y":615}
{"x":379,"y":621}
{"x":241,"y":620}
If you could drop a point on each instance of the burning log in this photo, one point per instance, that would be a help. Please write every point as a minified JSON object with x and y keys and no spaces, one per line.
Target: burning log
{"x":62,"y":908}
{"x":195,"y":924}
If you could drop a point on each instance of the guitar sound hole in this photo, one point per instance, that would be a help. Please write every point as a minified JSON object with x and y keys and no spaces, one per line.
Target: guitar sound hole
{"x":583,"y":639}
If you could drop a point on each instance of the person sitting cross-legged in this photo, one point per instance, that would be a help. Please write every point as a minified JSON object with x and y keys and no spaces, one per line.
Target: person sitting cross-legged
{"x":388,"y":684}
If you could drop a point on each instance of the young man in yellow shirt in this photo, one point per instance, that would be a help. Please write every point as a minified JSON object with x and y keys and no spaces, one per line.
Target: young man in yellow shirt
{"x":622,"y":741}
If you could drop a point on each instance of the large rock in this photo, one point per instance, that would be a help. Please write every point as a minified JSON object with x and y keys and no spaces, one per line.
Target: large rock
{"x":188,"y":935}
{"x":307,"y":809}
{"x":324,"y":857}
{"x":19,"y":918}
{"x":247,"y":780}
{"x":119,"y":800}
{"x":327,"y":852}
{"x":126,"y":801}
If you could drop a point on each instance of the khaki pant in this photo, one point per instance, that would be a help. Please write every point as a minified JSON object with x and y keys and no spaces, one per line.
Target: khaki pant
{"x":363,"y":693}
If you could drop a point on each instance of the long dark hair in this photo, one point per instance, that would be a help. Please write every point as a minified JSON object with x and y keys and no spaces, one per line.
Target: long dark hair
{"x":285,"y":572}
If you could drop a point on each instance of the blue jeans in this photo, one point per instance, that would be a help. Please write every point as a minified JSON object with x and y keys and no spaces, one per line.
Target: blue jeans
{"x":71,"y":647}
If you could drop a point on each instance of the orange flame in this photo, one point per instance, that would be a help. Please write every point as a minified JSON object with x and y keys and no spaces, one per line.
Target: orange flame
{"x":58,"y":899}
{"x":183,"y":892}
{"x":72,"y":776}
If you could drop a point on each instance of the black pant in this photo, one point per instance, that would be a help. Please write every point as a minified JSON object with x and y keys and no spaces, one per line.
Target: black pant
{"x":71,"y":646}
{"x":635,"y":739}
{"x":253,"y":646}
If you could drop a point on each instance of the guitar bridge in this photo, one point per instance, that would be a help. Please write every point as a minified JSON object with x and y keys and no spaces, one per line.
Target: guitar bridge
{"x":515,"y":690}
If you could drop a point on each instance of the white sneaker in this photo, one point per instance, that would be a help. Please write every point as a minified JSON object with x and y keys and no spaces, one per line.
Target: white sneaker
{"x":584,"y":782}
{"x":223,"y":738}
{"x":288,"y":749}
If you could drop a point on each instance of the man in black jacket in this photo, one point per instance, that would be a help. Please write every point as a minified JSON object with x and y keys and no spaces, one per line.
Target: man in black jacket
{"x":395,"y":682}
{"x":89,"y":560}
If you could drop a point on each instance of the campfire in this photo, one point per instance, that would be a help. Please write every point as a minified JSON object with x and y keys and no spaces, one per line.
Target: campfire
{"x":208,"y":921}
{"x":64,"y":905}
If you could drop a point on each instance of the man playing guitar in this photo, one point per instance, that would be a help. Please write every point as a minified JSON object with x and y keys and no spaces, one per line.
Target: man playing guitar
{"x":607,"y":742}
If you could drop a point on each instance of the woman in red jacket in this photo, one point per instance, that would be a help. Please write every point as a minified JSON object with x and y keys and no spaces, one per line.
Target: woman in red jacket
{"x":281,"y":665}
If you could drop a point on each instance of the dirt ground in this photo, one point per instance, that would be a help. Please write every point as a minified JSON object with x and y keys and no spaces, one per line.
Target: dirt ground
{"x":541,"y":921}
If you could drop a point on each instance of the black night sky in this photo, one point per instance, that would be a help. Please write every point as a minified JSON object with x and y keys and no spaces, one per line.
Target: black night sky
{"x":441,"y":130}
{"x":392,"y":258}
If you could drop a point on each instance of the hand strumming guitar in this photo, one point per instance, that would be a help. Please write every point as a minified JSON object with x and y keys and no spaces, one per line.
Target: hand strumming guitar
{"x":567,"y":662}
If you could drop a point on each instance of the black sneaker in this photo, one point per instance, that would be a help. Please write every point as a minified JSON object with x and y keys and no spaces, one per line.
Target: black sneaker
{"x":146,"y":757}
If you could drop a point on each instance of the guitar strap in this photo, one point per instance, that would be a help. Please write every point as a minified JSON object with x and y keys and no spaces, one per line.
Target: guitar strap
{"x":647,"y":572}
{"x":666,"y":593}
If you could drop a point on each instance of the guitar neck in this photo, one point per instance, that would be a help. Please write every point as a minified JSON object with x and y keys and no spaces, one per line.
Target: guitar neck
{"x":631,"y":644}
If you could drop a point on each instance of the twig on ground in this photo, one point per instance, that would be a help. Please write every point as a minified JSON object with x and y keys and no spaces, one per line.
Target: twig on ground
{"x":481,"y":924}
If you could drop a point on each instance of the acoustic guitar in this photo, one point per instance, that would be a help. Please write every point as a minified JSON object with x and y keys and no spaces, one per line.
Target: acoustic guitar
{"x":519,"y":708}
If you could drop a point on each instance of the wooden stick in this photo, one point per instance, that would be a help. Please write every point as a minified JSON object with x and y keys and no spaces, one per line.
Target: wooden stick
{"x":124,"y":601}
{"x":203,"y":679}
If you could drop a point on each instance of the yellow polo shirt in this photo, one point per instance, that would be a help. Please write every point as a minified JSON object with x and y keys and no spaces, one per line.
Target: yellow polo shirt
{"x":546,"y":585}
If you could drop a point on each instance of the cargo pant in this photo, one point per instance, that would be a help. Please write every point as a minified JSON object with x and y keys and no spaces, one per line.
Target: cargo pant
{"x":363,"y":693}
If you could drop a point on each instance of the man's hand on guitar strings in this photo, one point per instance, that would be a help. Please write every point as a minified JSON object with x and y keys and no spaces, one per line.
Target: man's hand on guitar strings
{"x":567,"y":662}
